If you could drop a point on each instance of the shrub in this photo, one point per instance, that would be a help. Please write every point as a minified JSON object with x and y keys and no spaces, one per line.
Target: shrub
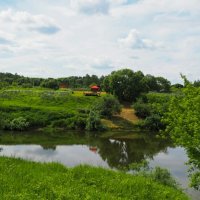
{"x":164,"y":177}
{"x":142,"y":110}
{"x":108,"y":106}
{"x":153,"y":123}
{"x":93,"y":121}
{"x":18,"y":124}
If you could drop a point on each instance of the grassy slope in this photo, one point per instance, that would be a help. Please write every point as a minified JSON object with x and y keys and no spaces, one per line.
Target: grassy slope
{"x":43,"y":106}
{"x":28,"y":180}
{"x":45,"y":100}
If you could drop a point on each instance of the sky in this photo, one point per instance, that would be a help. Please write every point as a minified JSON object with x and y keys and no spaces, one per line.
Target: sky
{"x":59,"y":38}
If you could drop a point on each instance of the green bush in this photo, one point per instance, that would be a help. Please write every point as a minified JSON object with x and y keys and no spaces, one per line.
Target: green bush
{"x":142,"y":110}
{"x":93,"y":121}
{"x":153,"y":123}
{"x":164,"y":177}
{"x":108,"y":106}
{"x":18,"y":124}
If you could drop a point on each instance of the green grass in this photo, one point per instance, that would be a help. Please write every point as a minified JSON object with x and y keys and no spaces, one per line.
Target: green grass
{"x":42,"y":107}
{"x":45,"y":100}
{"x":28,"y":180}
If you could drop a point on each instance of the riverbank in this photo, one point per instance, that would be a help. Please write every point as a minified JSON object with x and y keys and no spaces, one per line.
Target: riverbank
{"x":29,"y":180}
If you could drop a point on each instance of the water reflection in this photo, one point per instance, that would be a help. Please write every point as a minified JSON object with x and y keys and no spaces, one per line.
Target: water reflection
{"x":72,"y":150}
{"x":113,"y":153}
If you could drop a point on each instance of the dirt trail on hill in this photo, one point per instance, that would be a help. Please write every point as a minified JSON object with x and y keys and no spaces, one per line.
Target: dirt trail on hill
{"x":129,"y":114}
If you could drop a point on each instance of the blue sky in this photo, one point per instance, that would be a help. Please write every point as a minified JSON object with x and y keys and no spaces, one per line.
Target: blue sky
{"x":51,"y":38}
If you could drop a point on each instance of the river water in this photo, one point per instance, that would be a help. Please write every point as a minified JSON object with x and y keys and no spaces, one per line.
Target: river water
{"x":73,"y":149}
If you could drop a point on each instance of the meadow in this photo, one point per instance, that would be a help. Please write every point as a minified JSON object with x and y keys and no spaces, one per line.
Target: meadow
{"x":35,"y":108}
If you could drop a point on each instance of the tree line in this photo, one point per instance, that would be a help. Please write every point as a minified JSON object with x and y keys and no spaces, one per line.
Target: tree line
{"x":125,"y":84}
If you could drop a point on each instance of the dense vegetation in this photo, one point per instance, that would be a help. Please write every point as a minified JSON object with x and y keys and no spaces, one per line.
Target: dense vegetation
{"x":8,"y":79}
{"x":151,"y":108}
{"x":28,"y":180}
{"x":183,"y":126}
{"x":21,"y":109}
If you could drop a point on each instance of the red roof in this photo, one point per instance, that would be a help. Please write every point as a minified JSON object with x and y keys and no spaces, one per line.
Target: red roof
{"x":94,"y":87}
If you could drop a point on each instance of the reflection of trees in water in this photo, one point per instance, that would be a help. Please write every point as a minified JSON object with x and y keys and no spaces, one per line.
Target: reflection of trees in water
{"x":121,"y":153}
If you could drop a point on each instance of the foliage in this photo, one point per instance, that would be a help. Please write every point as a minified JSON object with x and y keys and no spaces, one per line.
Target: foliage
{"x":93,"y":121}
{"x":153,"y":123}
{"x":163,"y":176}
{"x":196,"y":83}
{"x":142,"y":110}
{"x":44,"y":107}
{"x":158,"y":174}
{"x":54,"y":181}
{"x":125,"y":84}
{"x":183,"y":126}
{"x":151,"y":107}
{"x":50,"y":83}
{"x":18,"y":124}
{"x":107,"y":106}
{"x":183,"y":117}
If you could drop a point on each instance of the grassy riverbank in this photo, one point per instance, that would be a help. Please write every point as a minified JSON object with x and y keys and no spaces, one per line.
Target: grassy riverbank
{"x":28,"y":180}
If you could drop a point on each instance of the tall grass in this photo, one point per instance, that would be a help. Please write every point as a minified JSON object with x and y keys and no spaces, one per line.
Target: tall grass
{"x":28,"y":180}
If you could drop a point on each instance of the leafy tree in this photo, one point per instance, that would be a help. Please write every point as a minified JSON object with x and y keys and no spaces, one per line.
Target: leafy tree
{"x":196,"y":83}
{"x":183,"y":117}
{"x":125,"y":84}
{"x":150,"y":83}
{"x":50,"y":83}
{"x":163,"y":85}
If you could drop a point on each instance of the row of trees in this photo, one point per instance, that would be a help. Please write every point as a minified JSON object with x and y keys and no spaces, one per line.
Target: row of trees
{"x":7,"y":79}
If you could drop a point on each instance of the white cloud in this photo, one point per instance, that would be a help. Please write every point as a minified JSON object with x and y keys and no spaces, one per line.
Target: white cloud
{"x":24,"y":20}
{"x":134,"y":40}
{"x":75,"y":37}
{"x":91,"y":6}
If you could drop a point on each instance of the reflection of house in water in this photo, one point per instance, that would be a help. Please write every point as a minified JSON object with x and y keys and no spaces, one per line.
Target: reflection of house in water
{"x":93,"y":149}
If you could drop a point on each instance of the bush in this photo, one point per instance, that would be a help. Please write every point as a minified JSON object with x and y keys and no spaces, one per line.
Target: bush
{"x":164,"y":177}
{"x":153,"y":123}
{"x":142,"y":110}
{"x":108,"y":106}
{"x":93,"y":121}
{"x":18,"y":124}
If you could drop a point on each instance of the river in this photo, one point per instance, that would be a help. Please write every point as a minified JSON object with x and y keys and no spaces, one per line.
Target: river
{"x":74,"y":148}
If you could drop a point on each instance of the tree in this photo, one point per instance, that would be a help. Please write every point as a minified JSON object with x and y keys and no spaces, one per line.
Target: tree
{"x":50,"y":83}
{"x":183,"y":117}
{"x":125,"y":84}
{"x":150,"y":83}
{"x":163,"y":85}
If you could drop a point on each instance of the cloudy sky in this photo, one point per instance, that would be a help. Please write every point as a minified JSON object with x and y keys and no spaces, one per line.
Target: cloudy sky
{"x":54,"y":38}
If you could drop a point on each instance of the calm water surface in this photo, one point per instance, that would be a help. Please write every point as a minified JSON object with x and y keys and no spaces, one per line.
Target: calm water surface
{"x":116,"y":153}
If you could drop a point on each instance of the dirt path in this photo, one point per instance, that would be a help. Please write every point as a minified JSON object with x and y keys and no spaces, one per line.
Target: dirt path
{"x":129,"y":114}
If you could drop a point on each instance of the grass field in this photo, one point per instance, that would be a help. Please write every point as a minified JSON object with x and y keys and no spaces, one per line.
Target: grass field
{"x":42,"y":107}
{"x":56,"y":108}
{"x":28,"y":180}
